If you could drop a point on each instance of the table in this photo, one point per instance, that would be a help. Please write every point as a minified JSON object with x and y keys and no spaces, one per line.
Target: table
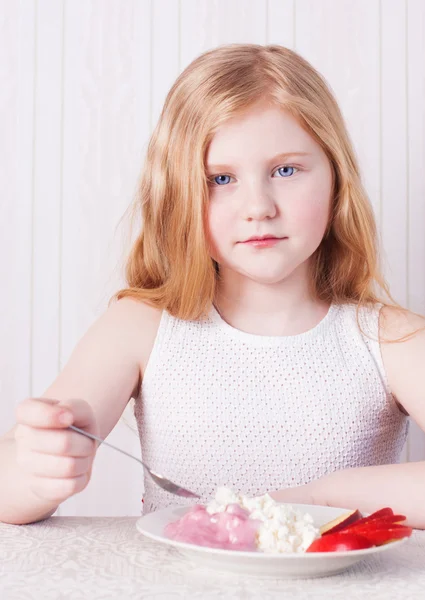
{"x":99,"y":558}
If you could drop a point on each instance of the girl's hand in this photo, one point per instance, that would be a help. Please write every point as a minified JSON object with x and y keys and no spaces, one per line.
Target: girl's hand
{"x":58,"y":461}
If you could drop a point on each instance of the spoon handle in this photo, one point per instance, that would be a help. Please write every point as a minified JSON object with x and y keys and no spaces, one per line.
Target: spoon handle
{"x":94,"y":437}
{"x":164,"y":483}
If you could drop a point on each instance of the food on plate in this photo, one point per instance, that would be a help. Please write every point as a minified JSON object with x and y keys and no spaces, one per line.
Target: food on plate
{"x":231,"y":529}
{"x":382,"y":516}
{"x":353,"y":518}
{"x":340,"y":522}
{"x":381,"y":527}
{"x":237,"y":522}
{"x":336,"y":542}
{"x":383,"y":534}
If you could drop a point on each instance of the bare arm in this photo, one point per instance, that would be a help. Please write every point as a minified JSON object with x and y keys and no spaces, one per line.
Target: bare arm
{"x":104,"y":370}
{"x":400,"y":486}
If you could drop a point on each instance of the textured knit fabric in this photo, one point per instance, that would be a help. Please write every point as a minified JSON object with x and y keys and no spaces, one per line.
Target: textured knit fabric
{"x":219,"y":406}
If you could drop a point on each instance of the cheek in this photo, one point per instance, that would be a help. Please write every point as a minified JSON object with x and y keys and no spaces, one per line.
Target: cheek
{"x":312,"y":217}
{"x":311,"y":210}
{"x":218,"y":228}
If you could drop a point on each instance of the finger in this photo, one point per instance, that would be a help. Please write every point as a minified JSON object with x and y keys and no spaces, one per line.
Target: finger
{"x":48,"y":466}
{"x":58,"y":490}
{"x":45,"y":413}
{"x":83,"y":415}
{"x":55,"y":441}
{"x":42,"y":413}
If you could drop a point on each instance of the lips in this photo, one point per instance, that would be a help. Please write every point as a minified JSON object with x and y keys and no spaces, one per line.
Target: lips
{"x":262,"y":241}
{"x":259,"y":238}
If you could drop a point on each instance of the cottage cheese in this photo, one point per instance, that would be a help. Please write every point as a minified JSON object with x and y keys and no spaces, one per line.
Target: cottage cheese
{"x":283,"y":529}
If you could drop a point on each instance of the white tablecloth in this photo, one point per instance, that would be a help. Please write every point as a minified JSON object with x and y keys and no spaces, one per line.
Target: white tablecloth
{"x":101,"y":558}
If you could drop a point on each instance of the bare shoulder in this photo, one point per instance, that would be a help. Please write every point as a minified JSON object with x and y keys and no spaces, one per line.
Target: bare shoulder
{"x":136,"y":324}
{"x":396,"y":323}
{"x":132,"y":311}
{"x":404,"y":360}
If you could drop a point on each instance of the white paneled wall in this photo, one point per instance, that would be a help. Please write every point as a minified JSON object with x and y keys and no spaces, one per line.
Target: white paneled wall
{"x":82,"y":84}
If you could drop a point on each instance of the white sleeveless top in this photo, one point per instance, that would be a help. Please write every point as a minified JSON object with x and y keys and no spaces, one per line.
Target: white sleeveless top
{"x":257,"y":413}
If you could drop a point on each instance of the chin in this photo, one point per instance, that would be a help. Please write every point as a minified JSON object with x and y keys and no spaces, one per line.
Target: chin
{"x":267,"y":277}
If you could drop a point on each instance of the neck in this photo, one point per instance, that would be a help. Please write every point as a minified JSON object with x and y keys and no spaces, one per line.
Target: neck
{"x":284,"y":308}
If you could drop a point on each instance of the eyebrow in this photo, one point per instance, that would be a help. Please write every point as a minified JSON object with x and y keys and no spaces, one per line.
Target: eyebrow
{"x":278,"y":157}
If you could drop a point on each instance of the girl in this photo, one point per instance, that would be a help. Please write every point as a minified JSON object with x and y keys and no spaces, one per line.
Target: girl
{"x":252,"y":335}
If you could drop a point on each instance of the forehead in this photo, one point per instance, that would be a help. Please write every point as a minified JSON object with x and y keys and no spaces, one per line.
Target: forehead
{"x":261,"y":131}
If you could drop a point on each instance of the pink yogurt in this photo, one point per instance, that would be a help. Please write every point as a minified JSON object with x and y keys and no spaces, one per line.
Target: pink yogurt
{"x":229,"y":530}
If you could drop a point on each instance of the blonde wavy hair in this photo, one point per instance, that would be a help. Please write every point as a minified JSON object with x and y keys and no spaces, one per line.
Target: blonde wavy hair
{"x":169,"y":264}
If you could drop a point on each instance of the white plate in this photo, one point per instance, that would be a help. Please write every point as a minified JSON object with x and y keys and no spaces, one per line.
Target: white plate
{"x":288,"y":566}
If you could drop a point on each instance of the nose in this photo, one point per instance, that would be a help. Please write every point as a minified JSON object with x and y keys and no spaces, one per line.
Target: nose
{"x":258,"y":203}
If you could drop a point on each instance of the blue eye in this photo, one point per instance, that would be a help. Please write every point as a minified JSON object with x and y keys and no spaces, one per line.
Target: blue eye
{"x":285,"y":172}
{"x":282,"y":173}
{"x":219,"y":179}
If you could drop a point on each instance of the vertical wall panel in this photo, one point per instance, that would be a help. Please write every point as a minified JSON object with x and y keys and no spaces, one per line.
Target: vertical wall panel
{"x":416,"y":152}
{"x":341,"y":39}
{"x":393,"y":141}
{"x":415,"y":33}
{"x":205,"y":24}
{"x":165,"y":58}
{"x":281,"y":22}
{"x":47,"y":194}
{"x":17,"y":76}
{"x":195,"y":29}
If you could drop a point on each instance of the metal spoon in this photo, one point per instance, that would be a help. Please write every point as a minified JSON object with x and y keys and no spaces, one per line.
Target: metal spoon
{"x":164,"y":483}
